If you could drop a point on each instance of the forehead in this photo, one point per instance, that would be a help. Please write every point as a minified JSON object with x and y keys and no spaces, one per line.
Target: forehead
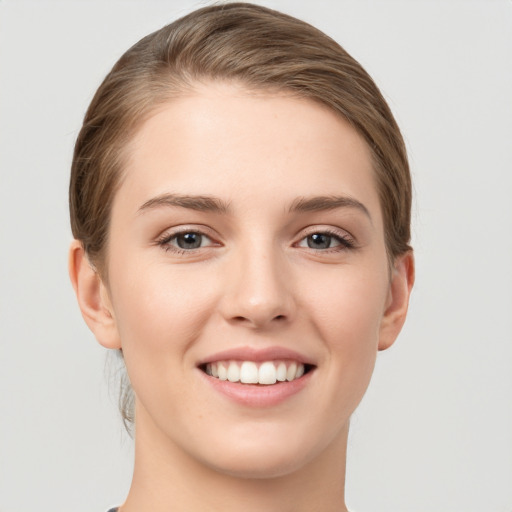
{"x":233,"y":143}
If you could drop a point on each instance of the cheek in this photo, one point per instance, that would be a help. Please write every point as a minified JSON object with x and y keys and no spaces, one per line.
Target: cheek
{"x":159,"y":314}
{"x":348,"y":304}
{"x":348,"y":314}
{"x":161,"y":308}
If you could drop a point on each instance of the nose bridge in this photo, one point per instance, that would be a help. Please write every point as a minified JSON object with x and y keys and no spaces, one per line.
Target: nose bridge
{"x":259,"y":292}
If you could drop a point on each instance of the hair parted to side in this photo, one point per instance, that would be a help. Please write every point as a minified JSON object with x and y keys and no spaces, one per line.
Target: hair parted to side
{"x":260,"y":49}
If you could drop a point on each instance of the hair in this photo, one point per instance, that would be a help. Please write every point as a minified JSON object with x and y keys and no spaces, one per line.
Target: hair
{"x":254,"y":46}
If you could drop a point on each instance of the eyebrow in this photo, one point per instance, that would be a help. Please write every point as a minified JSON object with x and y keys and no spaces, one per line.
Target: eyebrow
{"x":216,"y":205}
{"x":199,"y":203}
{"x":322,"y":203}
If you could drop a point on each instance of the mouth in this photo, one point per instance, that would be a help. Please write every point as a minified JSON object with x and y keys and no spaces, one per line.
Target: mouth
{"x":265,"y":373}
{"x":259,"y":378}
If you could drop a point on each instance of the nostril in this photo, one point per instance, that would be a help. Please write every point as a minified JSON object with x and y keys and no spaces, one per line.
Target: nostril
{"x":243,"y":319}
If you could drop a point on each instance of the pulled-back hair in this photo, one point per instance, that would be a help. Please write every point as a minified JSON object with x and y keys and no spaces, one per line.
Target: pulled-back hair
{"x":260,"y":49}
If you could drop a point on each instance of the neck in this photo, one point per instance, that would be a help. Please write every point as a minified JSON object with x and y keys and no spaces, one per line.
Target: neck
{"x":169,"y":480}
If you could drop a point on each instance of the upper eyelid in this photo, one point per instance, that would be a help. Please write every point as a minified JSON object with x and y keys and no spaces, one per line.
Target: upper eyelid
{"x":193,"y":228}
{"x":331,"y":230}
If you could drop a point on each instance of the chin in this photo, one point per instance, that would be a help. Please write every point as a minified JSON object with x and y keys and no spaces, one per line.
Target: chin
{"x":261,"y":455}
{"x":260,"y":465}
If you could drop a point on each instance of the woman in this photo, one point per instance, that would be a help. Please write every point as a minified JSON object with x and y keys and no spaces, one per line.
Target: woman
{"x":240,"y":202}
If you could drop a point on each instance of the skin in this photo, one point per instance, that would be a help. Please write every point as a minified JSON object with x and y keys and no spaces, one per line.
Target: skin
{"x":254,"y":282}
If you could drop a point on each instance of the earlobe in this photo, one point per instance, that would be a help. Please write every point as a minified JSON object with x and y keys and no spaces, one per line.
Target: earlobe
{"x":93,"y":298}
{"x":401,"y":283}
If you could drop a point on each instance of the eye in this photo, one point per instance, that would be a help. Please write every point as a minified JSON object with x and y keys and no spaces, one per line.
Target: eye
{"x":326,"y":240}
{"x":321,"y":241}
{"x":185,"y":241}
{"x":189,"y":240}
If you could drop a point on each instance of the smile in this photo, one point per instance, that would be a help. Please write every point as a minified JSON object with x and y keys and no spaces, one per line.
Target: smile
{"x":251,"y":372}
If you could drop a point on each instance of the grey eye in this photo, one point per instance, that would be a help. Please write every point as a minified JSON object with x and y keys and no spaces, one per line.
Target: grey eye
{"x":189,"y":240}
{"x":321,"y":241}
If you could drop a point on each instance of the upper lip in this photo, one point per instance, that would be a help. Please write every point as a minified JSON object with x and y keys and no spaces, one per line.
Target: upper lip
{"x":256,"y":355}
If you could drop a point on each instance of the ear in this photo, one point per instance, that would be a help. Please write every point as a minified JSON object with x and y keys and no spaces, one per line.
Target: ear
{"x":401,"y":283}
{"x":93,"y":297}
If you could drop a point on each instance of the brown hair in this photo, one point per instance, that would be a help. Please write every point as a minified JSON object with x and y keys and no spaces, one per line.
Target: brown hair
{"x":252,"y":45}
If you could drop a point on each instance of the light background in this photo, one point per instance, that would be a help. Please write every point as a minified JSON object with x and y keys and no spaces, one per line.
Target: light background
{"x":434,"y":432}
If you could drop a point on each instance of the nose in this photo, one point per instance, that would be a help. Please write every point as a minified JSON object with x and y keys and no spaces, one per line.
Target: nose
{"x":258,"y":292}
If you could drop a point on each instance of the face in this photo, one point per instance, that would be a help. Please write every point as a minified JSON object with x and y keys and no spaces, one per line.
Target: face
{"x":247,"y":279}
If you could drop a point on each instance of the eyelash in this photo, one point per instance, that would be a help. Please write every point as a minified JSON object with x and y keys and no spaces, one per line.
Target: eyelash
{"x":165,"y":241}
{"x":346,"y":242}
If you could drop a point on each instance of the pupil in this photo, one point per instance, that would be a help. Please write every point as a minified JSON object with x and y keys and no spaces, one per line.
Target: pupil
{"x":319,"y":241}
{"x":189,"y":241}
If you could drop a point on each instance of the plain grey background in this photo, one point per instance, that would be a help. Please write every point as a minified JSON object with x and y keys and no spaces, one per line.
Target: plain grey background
{"x":434,"y":432}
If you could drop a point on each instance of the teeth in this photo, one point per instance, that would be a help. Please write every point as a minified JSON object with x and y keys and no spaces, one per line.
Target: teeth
{"x":281,"y":372}
{"x":248,"y":372}
{"x":267,"y":373}
{"x":233,"y":372}
{"x":221,"y":370}
{"x":291,"y":372}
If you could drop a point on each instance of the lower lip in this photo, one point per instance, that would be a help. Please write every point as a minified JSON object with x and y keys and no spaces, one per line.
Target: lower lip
{"x":254,"y":395}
